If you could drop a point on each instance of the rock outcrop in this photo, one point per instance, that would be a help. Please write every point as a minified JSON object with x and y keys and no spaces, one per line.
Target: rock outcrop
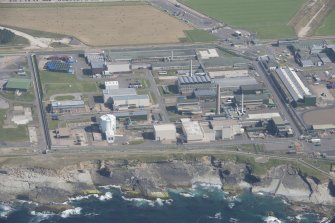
{"x":56,"y":185}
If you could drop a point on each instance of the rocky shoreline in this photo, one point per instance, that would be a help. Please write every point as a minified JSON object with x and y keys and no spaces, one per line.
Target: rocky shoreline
{"x":150,"y":180}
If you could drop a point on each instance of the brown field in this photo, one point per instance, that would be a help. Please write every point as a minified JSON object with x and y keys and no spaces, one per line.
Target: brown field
{"x":100,"y":25}
{"x":319,"y":117}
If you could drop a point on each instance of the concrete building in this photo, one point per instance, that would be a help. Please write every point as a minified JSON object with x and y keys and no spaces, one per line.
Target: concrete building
{"x":165,"y":132}
{"x":226,"y":128}
{"x":209,"y":53}
{"x":187,"y":85}
{"x":111,"y":85}
{"x":107,"y":124}
{"x":118,"y":67}
{"x":235,"y":83}
{"x":67,"y":106}
{"x":192,"y":130}
{"x":279,"y":127}
{"x":188,"y":106}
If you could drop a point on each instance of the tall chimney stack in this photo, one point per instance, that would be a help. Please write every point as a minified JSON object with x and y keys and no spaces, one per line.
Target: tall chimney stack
{"x":218,"y":99}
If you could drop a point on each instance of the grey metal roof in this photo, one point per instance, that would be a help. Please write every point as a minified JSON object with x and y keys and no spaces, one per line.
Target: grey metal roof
{"x":67,"y":103}
{"x":119,"y":92}
{"x":129,"y":97}
{"x":204,"y":92}
{"x":235,"y":82}
{"x":129,"y":114}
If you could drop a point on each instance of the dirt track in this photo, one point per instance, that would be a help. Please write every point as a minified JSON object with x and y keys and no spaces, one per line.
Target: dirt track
{"x":319,"y":117}
{"x":97,"y":25}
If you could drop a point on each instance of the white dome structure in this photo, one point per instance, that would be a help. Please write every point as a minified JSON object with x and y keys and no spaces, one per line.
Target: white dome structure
{"x":108,"y":126}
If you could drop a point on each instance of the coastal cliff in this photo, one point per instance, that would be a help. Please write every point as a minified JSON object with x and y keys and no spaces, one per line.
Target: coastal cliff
{"x":150,"y":179}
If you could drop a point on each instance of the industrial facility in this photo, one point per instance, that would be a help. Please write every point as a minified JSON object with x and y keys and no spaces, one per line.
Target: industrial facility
{"x":187,"y":84}
{"x":107,"y":124}
{"x":67,"y":106}
{"x":297,"y":90}
{"x":165,"y":132}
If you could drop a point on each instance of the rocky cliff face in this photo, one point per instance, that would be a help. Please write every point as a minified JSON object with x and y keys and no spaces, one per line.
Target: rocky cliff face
{"x":46,"y":185}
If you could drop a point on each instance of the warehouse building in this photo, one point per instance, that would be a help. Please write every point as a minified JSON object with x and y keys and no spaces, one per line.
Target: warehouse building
{"x":251,"y":101}
{"x":130,"y":101}
{"x":108,"y":94}
{"x":67,"y":106}
{"x":97,"y":67}
{"x":165,"y":132}
{"x":331,"y":52}
{"x":18,"y":84}
{"x":175,"y":65}
{"x":300,"y":94}
{"x":117,"y":67}
{"x":235,"y":83}
{"x":226,"y":128}
{"x":192,"y":130}
{"x":205,"y":94}
{"x":187,"y":85}
{"x":207,"y":54}
{"x":252,"y":89}
{"x":224,"y":63}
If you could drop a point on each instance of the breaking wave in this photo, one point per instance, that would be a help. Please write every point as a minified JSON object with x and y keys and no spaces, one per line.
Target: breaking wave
{"x":70,"y":212}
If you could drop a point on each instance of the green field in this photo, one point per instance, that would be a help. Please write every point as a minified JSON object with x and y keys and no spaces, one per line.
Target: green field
{"x":268,"y":18}
{"x":12,"y":134}
{"x":328,"y":25}
{"x":62,"y":83}
{"x":64,"y":98}
{"x":197,"y":36}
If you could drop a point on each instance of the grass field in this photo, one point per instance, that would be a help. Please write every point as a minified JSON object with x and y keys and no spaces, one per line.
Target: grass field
{"x":97,"y":24}
{"x":197,"y":36}
{"x":328,"y":25}
{"x":64,"y":98}
{"x":269,"y":18}
{"x":61,"y":83}
{"x":12,"y":134}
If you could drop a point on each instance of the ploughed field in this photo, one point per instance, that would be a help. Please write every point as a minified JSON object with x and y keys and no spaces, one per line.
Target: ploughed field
{"x":320,"y":117}
{"x":99,"y":24}
{"x":268,"y":18}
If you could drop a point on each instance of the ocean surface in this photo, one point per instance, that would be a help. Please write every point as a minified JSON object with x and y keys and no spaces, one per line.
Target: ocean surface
{"x":199,"y":204}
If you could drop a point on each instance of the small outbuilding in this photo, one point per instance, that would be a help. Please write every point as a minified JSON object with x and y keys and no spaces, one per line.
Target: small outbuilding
{"x":165,"y":132}
{"x":20,"y":84}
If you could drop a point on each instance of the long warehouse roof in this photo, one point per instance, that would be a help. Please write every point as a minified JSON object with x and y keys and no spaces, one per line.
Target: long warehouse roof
{"x":293,"y":83}
{"x":194,"y":79}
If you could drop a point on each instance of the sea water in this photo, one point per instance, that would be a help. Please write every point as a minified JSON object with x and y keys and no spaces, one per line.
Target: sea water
{"x":200,"y":204}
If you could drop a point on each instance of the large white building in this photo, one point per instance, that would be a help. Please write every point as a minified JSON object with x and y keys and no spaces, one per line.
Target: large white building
{"x":107,"y":124}
{"x":165,"y":132}
{"x":293,"y":83}
{"x":192,"y":130}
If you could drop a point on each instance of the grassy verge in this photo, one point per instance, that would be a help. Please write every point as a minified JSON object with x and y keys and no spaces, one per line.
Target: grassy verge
{"x":58,"y":45}
{"x":25,"y":96}
{"x":197,"y":36}
{"x":16,"y":41}
{"x":18,"y":134}
{"x":72,"y":4}
{"x":328,"y":25}
{"x":35,"y":33}
{"x":62,"y":83}
{"x":64,"y":97}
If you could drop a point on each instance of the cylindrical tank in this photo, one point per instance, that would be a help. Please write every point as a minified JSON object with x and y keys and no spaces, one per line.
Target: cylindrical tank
{"x":107,"y":123}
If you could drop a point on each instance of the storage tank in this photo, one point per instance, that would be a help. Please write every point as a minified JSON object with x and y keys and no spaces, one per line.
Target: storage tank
{"x":107,"y":123}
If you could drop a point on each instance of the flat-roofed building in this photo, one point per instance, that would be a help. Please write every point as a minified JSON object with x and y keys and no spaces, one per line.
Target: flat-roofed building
{"x":20,"y":84}
{"x":130,"y":101}
{"x":189,"y":106}
{"x":67,"y":106}
{"x":226,"y":128}
{"x":165,"y":132}
{"x":118,"y":67}
{"x":192,"y":130}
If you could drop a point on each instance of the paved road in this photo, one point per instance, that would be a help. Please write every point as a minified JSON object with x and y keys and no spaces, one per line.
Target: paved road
{"x":154,"y":89}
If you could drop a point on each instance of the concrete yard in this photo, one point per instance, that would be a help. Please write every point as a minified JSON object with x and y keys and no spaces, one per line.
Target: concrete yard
{"x":146,"y":24}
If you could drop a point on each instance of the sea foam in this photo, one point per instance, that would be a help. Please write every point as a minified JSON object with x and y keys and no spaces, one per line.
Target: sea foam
{"x":70,"y":212}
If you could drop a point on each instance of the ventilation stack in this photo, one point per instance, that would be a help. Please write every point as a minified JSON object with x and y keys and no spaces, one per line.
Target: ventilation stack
{"x":218,"y":99}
